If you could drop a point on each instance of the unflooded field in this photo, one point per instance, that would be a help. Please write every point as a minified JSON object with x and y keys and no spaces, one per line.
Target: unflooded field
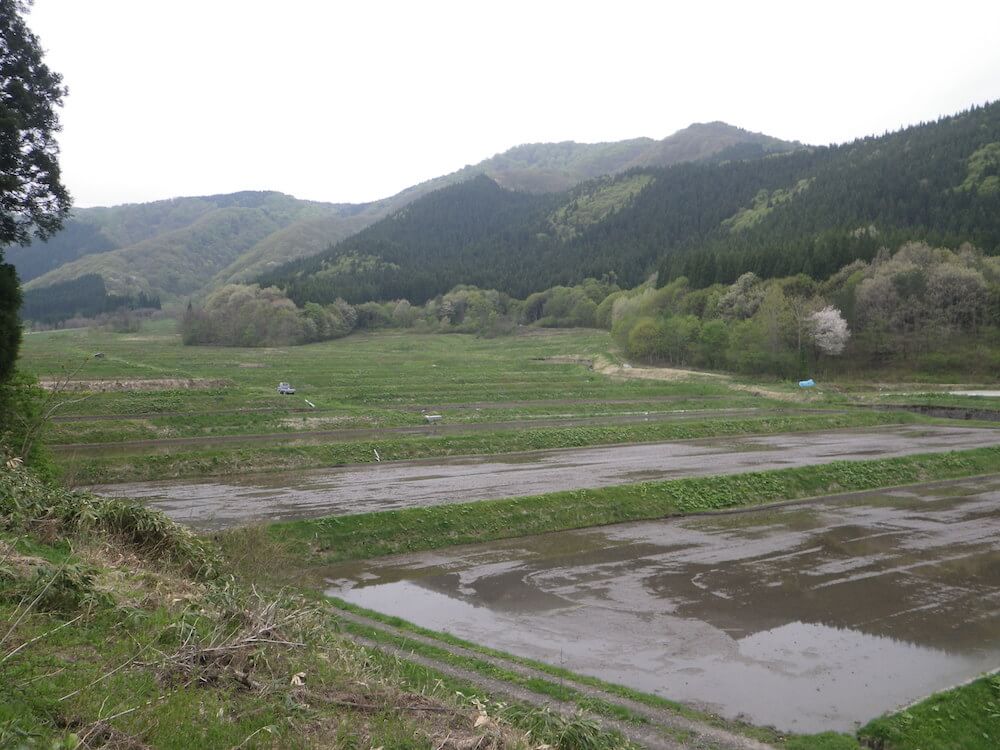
{"x":285,"y":422}
{"x":386,"y":370}
{"x":368,"y":395}
{"x":808,"y":617}
{"x":136,"y":391}
{"x":319,"y":430}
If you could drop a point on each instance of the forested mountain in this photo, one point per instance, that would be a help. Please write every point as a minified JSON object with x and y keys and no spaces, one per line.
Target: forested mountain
{"x":184,"y":246}
{"x":474,"y":232}
{"x":811,"y":211}
{"x":86,"y":297}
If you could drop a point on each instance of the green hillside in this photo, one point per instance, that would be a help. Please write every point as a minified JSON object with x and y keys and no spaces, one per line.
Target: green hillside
{"x":97,"y":230}
{"x":171,"y":248}
{"x":810,"y":211}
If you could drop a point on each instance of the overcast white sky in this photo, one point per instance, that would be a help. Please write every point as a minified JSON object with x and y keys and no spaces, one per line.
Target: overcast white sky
{"x":353,"y":101}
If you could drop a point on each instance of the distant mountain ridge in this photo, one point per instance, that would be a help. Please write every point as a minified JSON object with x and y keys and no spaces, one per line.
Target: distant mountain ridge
{"x":554,"y":167}
{"x":188,"y":246}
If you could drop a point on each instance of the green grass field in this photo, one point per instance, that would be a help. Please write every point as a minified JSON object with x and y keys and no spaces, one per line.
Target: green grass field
{"x":386,"y":370}
{"x":149,"y":387}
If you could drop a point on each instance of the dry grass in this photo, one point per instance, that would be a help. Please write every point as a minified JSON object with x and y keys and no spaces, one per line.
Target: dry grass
{"x":233,"y":649}
{"x":17,"y":565}
{"x":134,"y":384}
{"x":670,"y":374}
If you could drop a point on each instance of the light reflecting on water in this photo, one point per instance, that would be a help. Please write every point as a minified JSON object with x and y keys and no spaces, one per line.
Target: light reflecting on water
{"x":807,"y":617}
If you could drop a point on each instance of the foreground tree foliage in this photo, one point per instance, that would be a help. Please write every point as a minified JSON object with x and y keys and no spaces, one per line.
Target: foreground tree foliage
{"x":32,"y":198}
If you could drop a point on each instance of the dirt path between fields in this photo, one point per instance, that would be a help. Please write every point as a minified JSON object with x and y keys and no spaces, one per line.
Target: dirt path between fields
{"x":121,"y":385}
{"x":628,"y":372}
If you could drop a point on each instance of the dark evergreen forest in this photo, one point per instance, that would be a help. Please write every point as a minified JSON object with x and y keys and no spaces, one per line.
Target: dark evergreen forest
{"x":85,"y":297}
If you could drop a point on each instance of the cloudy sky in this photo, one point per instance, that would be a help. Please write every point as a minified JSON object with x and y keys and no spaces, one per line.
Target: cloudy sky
{"x":353,"y":101}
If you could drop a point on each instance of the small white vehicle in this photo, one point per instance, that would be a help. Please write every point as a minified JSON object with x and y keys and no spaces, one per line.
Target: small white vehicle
{"x":285,"y":389}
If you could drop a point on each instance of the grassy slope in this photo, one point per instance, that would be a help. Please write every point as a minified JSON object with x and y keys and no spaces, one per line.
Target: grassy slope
{"x":966,"y":718}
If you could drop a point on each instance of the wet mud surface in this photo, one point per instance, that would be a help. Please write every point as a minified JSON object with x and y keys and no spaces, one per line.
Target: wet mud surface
{"x":213,"y":504}
{"x":808,"y":617}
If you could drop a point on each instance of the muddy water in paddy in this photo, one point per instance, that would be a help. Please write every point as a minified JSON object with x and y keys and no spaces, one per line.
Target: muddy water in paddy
{"x":807,"y":617}
{"x":358,"y":489}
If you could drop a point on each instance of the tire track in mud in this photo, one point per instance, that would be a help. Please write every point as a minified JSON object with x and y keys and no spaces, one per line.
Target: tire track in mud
{"x":664,"y":730}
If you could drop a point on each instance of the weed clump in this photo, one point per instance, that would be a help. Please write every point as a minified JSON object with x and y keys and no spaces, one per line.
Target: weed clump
{"x":49,"y":588}
{"x":30,"y":505}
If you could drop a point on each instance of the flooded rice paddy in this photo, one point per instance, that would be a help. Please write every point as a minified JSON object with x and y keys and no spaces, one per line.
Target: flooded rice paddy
{"x":808,"y":617}
{"x":212,"y":504}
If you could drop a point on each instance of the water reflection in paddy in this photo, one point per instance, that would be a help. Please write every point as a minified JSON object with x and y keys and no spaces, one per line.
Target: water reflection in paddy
{"x":807,"y":617}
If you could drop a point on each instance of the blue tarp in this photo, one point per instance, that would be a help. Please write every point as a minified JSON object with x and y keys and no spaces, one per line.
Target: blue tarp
{"x":807,"y":383}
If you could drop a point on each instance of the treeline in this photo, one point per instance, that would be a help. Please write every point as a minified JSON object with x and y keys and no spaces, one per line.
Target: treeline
{"x":924,"y":309}
{"x":249,"y":315}
{"x":810,"y":212}
{"x":85,"y":297}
